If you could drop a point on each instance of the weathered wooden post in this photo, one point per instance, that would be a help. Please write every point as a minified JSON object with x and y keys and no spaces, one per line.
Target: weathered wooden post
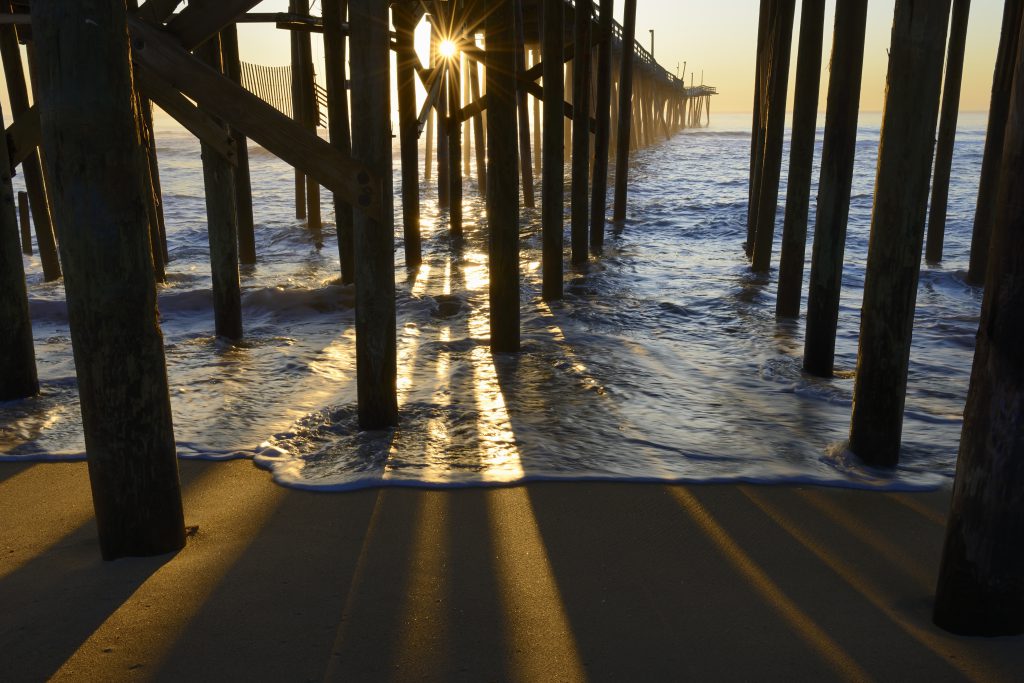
{"x":222,"y":221}
{"x":947,"y":130}
{"x":335,"y":12}
{"x":1002,"y":80}
{"x":454,"y":146}
{"x":243,"y":182}
{"x":599,"y":191}
{"x":775,"y":129}
{"x":26,"y":220}
{"x":537,"y":135}
{"x":897,"y":228}
{"x":502,"y":176}
{"x":579,"y":204}
{"x":757,"y":127}
{"x":834,"y":183}
{"x":467,"y":145}
{"x":801,"y":158}
{"x":18,"y":377}
{"x":553,"y":189}
{"x":981,"y":580}
{"x":408,"y":132}
{"x":376,"y":354}
{"x":522,"y":107}
{"x":17,"y":91}
{"x":93,"y":156}
{"x":624,"y":134}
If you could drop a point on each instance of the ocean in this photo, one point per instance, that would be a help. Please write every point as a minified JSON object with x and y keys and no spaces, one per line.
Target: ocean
{"x":664,"y":362}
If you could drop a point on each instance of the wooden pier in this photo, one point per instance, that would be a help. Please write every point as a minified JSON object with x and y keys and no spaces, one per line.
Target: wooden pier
{"x":87,"y":152}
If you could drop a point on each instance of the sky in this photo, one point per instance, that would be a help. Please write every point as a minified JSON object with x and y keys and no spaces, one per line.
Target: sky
{"x":716,"y":40}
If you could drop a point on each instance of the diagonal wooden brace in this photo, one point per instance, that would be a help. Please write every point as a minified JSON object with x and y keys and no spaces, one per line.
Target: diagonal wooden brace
{"x":159,"y":51}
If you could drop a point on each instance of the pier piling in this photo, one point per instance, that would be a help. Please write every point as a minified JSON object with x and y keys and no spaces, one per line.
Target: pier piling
{"x":834,"y":186}
{"x":25,"y":219}
{"x":897,"y":228}
{"x":92,"y":153}
{"x":553,"y":182}
{"x":335,"y":14}
{"x":18,"y":377}
{"x":801,"y":158}
{"x":243,"y":182}
{"x":579,"y":204}
{"x":602,"y":112}
{"x":981,"y":579}
{"x":625,"y":129}
{"x":376,"y":350}
{"x":502,"y":176}
{"x":991,"y":163}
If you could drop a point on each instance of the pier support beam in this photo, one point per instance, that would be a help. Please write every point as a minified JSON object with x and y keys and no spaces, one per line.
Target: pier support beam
{"x":981,"y":578}
{"x":947,"y":130}
{"x":18,"y":377}
{"x":775,"y":129}
{"x":801,"y":158}
{"x":897,"y":228}
{"x":579,"y":205}
{"x":834,"y":183}
{"x":222,"y":222}
{"x":522,"y":107}
{"x":625,"y":108}
{"x":243,"y":182}
{"x":92,"y":154}
{"x":502,"y":177}
{"x":553,"y":189}
{"x":1002,"y":80}
{"x":757,"y":127}
{"x":454,"y":147}
{"x":31,"y":167}
{"x":335,"y":13}
{"x":376,"y":350}
{"x":408,"y":133}
{"x":25,"y":220}
{"x":602,"y":112}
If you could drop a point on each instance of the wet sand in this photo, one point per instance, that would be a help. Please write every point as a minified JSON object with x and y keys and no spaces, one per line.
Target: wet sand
{"x":553,"y":581}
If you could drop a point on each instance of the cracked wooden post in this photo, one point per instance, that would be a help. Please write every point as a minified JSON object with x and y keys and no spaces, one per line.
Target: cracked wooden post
{"x":92,"y":154}
{"x":834,"y":183}
{"x":1002,"y":79}
{"x":408,"y":133}
{"x":18,"y":377}
{"x":502,"y":177}
{"x":625,"y":133}
{"x":335,"y":13}
{"x":31,"y":167}
{"x":580,"y":174}
{"x":553,"y":179}
{"x":222,"y":222}
{"x":376,"y":351}
{"x":897,"y":228}
{"x":599,"y":191}
{"x":801,"y":158}
{"x":775,"y":129}
{"x":981,"y":578}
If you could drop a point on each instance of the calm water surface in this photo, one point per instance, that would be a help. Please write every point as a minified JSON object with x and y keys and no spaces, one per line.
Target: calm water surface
{"x":664,"y":361}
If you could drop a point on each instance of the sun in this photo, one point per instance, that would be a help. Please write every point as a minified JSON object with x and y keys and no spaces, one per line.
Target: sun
{"x":447,"y":49}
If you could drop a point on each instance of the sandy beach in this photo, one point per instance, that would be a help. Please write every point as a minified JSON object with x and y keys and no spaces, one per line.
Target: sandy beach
{"x":567,"y":582}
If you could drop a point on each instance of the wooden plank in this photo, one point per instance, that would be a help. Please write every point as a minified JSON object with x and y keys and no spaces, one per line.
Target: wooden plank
{"x":256,"y":119}
{"x":187,"y":114}
{"x":195,"y":24}
{"x":157,"y":11}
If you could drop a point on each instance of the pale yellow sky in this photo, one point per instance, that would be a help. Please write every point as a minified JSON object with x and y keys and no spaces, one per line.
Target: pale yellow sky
{"x":716,"y":39}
